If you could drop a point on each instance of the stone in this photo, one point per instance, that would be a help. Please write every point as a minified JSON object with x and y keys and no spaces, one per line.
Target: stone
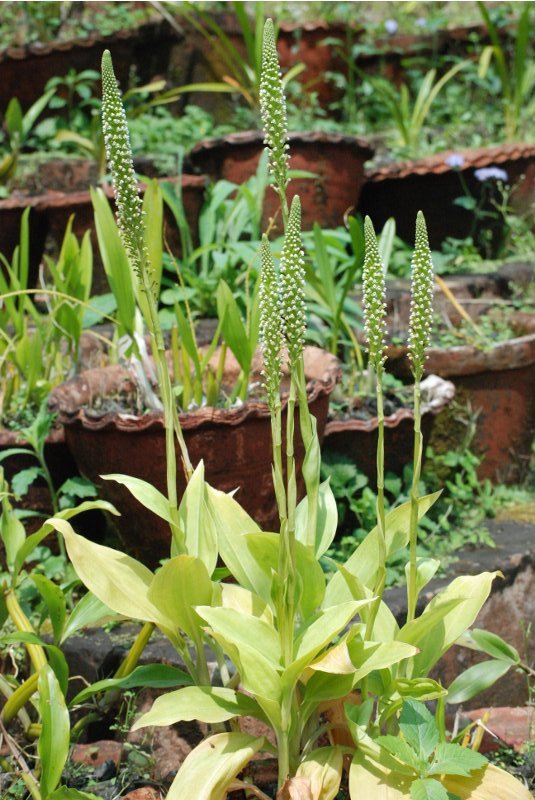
{"x":98,"y":753}
{"x":145,"y":793}
{"x":504,"y":726}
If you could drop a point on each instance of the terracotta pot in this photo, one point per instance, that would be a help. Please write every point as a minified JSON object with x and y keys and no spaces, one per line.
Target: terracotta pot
{"x":234,"y":444}
{"x":51,"y":211}
{"x":500,"y":385}
{"x":306,"y":43}
{"x":357,"y":438}
{"x":338,"y":160}
{"x":27,"y":69}
{"x":430,"y":184}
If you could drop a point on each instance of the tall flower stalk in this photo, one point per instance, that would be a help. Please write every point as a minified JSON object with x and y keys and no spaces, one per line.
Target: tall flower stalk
{"x":374,"y":291}
{"x":131,"y":226}
{"x":419,"y":337}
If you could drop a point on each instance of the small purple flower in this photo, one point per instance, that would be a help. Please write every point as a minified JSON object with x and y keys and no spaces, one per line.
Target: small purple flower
{"x":391,"y":26}
{"x":455,"y":160}
{"x":421,"y":22}
{"x":488,"y":173}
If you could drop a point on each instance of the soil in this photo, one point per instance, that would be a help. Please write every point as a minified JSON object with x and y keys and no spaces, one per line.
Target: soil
{"x":365,"y":407}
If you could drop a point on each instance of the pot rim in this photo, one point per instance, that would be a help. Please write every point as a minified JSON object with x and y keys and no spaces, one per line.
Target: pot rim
{"x":442,"y":392}
{"x":298,"y":137}
{"x":317,"y":388}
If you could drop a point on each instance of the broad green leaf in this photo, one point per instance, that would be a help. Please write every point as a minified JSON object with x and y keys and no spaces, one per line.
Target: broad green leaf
{"x":319,"y":633}
{"x":145,"y":493}
{"x":12,"y":533}
{"x":244,"y":601}
{"x":119,"y":581}
{"x":472,"y":591}
{"x":231,"y":523}
{"x":491,"y":644}
{"x":425,"y":570}
{"x":452,"y":759}
{"x":323,"y":768}
{"x":66,"y":793}
{"x":385,"y":627}
{"x":419,"y":728}
{"x":327,"y":519}
{"x":55,"y":601}
{"x":323,"y":686}
{"x":87,"y":612}
{"x":265,"y":549}
{"x":360,"y":658}
{"x":53,"y":745}
{"x":22,"y":481}
{"x":415,"y":631}
{"x":36,"y":538}
{"x":243,"y":630}
{"x":157,"y":676}
{"x":210,"y":768}
{"x":476,"y":679}
{"x":180,"y":584}
{"x":197,"y":523}
{"x":428,"y":789}
{"x":206,"y":703}
{"x":398,"y":747}
{"x":378,"y":780}
{"x":364,"y":562}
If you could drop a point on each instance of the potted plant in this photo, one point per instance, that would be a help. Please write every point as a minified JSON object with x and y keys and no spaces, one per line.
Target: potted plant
{"x":291,"y":638}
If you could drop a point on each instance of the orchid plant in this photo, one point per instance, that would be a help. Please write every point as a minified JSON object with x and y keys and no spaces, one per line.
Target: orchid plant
{"x":322,"y":663}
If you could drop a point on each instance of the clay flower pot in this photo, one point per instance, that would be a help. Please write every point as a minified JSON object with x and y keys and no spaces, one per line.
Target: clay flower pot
{"x":338,"y":161}
{"x":500,"y":384}
{"x":431,"y":184}
{"x":235,"y":445}
{"x":357,"y":438}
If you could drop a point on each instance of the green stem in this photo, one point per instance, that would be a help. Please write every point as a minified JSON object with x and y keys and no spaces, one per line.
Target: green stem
{"x":19,"y":698}
{"x":134,"y":654}
{"x":412,"y":593}
{"x":23,"y":624}
{"x":380,"y":506}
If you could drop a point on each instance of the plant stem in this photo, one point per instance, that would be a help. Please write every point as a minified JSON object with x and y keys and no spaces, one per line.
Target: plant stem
{"x":134,"y":654}
{"x":380,"y":505}
{"x":19,"y":698}
{"x":412,"y":593}
{"x":23,"y":624}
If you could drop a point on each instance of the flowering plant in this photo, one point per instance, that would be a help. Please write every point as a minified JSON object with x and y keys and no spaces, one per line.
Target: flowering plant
{"x":310,"y":656}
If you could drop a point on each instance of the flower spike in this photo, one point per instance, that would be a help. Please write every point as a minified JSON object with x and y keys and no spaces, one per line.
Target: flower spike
{"x":421,"y":299}
{"x":119,"y":153}
{"x":374,"y":290}
{"x":273,"y":109}
{"x":271,"y":338}
{"x":293,"y":284}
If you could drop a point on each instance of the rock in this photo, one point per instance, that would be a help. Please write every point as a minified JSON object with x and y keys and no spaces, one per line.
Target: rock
{"x":98,"y":754}
{"x":145,"y":793}
{"x":508,"y":726}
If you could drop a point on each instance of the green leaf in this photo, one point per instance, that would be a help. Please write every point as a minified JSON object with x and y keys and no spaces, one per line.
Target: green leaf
{"x":265,"y":549}
{"x":472,"y":591}
{"x":493,"y":645}
{"x":12,"y":533}
{"x":153,"y":676}
{"x":240,"y":629}
{"x":476,"y":679}
{"x":419,"y":728}
{"x":206,"y":703}
{"x":232,"y":327}
{"x":145,"y":493}
{"x":364,"y":562}
{"x":153,"y":233}
{"x":428,"y":789}
{"x":401,"y":749}
{"x":53,"y":745}
{"x":66,"y":793}
{"x":327,"y":519}
{"x":119,"y":581}
{"x":88,"y":611}
{"x":198,"y":526}
{"x":211,"y":767}
{"x":452,"y":759}
{"x":180,"y":584}
{"x":55,"y":601}
{"x":21,"y":482}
